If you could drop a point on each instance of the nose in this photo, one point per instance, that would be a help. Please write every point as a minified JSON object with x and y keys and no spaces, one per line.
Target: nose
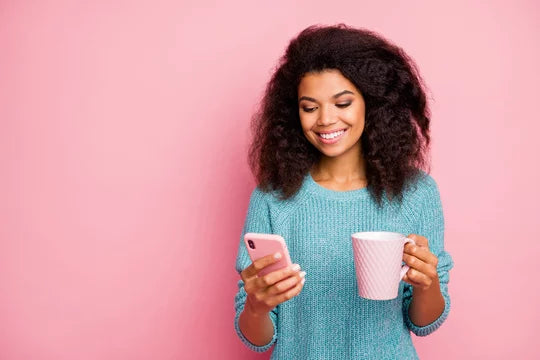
{"x":327,"y":116}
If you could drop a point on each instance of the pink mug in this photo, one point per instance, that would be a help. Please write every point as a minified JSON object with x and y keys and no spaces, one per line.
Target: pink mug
{"x":377,"y":259}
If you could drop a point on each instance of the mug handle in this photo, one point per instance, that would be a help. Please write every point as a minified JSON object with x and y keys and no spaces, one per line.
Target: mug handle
{"x":405,"y":268}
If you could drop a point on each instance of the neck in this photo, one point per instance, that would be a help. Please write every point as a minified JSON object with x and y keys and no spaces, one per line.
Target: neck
{"x":347,"y":167}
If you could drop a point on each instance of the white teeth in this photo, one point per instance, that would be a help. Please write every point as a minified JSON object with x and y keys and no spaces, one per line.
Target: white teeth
{"x":332,"y":135}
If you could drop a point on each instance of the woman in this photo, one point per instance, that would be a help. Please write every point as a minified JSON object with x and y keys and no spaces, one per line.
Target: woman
{"x":339,"y":146}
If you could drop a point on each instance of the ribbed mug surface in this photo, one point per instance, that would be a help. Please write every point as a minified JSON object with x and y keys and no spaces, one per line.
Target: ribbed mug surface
{"x":377,"y":259}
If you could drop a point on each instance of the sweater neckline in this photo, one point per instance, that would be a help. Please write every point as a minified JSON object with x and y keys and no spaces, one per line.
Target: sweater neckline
{"x":314,"y":187}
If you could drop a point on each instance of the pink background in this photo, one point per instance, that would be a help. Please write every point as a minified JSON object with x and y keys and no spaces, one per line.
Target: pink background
{"x":124,"y":180}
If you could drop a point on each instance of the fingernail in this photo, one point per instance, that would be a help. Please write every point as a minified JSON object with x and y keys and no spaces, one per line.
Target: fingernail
{"x":295,"y":267}
{"x":303,"y":281}
{"x":277,"y":255}
{"x":302,"y":274}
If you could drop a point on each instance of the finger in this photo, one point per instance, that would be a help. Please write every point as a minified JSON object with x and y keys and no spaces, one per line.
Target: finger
{"x":275,"y":276}
{"x":415,"y":263}
{"x":289,"y":294}
{"x":285,"y":285}
{"x":419,"y":278}
{"x":409,"y":281}
{"x":419,"y":240}
{"x":421,"y":253}
{"x":260,"y":264}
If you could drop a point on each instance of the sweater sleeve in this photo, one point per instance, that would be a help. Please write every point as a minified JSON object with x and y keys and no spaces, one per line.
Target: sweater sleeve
{"x":432,"y":227}
{"x":258,"y":221}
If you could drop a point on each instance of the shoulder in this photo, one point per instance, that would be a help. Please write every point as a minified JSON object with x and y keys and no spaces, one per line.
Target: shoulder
{"x":266,"y":196}
{"x":278,"y":208}
{"x":273,"y":197}
{"x":426,"y":181}
{"x":258,"y":194}
{"x":423,"y":188}
{"x":261,"y":199}
{"x":258,"y":201}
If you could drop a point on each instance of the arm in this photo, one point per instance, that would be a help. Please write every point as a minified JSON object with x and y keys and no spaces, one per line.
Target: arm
{"x":258,"y":333}
{"x":426,"y":305}
{"x":424,"y":310}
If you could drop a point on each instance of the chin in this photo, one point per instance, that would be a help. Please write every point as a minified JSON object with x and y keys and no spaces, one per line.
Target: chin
{"x":333,"y":153}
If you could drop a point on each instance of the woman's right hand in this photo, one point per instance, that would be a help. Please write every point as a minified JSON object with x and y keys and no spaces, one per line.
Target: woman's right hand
{"x":266,"y":292}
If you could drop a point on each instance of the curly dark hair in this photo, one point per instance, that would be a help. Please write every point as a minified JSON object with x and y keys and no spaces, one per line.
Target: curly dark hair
{"x":395,"y":140}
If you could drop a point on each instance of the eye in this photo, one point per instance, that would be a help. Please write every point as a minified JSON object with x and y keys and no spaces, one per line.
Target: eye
{"x":343,"y":105}
{"x":308,"y":109}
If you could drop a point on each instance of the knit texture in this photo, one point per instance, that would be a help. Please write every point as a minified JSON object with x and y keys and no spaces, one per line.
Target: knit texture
{"x":328,"y":320}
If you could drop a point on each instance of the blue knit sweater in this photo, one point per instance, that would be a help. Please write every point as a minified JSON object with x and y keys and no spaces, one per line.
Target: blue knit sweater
{"x":328,"y":320}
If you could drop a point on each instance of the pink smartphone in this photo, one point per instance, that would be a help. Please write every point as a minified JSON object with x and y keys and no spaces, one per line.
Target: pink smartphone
{"x":261,"y":245}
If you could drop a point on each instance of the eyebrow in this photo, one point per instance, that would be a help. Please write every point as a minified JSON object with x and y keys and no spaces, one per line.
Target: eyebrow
{"x":334,"y":96}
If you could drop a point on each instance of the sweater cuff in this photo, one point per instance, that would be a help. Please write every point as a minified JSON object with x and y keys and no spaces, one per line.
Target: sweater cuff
{"x":427,"y":329}
{"x":250,"y":345}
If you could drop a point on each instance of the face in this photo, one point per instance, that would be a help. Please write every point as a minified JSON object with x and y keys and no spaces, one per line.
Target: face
{"x":332,"y":112}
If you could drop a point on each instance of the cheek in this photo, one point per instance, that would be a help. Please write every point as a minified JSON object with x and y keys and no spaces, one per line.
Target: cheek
{"x":306,"y":124}
{"x":310,"y":136}
{"x":357,"y":120}
{"x":360,"y":126}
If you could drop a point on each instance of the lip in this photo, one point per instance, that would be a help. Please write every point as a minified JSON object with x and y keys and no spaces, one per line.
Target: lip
{"x":330,"y":131}
{"x":331,"y":141}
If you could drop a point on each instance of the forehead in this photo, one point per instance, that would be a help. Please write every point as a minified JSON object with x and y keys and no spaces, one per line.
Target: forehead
{"x":324,"y":84}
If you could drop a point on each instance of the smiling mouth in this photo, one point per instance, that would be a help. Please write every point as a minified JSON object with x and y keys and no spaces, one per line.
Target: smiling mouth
{"x":332,"y":135}
{"x":331,"y":138}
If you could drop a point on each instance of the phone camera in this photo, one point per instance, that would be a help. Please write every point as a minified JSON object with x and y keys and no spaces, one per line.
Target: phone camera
{"x":251,"y":244}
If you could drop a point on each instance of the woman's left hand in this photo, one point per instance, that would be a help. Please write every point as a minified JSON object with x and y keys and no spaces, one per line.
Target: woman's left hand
{"x":422,"y":262}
